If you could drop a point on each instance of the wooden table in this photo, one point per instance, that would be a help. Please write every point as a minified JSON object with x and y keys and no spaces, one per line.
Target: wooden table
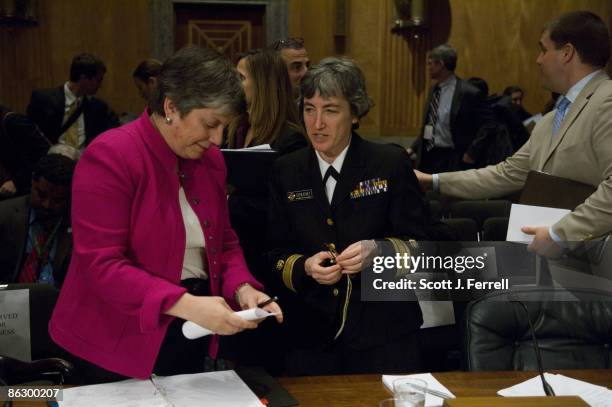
{"x":368,"y":390}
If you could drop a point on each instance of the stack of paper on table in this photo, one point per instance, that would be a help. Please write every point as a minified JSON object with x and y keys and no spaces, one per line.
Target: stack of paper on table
{"x":432,"y":383}
{"x":596,"y":396}
{"x":213,"y":389}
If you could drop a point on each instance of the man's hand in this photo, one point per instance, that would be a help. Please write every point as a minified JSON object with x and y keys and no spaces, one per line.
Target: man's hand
{"x":322,"y":275}
{"x":467,"y":159}
{"x":542,"y":244}
{"x":357,"y":256}
{"x":8,"y":188}
{"x":248,"y":297}
{"x":425,"y":180}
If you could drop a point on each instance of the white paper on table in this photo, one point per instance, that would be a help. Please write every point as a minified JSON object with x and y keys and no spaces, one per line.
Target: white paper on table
{"x":594,"y":395}
{"x":432,"y":383}
{"x":529,"y":215}
{"x":211,"y":389}
{"x":127,"y":393}
{"x":191,"y":330}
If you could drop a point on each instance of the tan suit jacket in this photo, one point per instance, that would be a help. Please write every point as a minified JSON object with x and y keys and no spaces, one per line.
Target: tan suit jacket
{"x":581,"y":151}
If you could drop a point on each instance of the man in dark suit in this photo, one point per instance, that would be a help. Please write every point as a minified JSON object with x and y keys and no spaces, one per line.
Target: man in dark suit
{"x":21,"y":146}
{"x":35,"y":229}
{"x":455,"y":112}
{"x":342,"y":191}
{"x":70,"y":113}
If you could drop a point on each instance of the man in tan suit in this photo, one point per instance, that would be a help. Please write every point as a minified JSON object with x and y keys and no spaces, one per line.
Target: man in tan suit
{"x":573,"y":141}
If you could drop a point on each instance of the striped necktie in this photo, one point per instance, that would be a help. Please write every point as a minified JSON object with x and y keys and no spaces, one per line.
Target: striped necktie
{"x":71,"y":135}
{"x":560,"y":114}
{"x":432,"y":118}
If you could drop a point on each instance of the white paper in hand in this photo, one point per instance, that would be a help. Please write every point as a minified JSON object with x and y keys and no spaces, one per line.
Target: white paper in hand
{"x":528,"y":215}
{"x":191,"y":330}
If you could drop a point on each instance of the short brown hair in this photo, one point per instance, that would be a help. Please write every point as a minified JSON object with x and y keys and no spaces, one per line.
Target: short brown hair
{"x":586,"y":32}
{"x":87,"y":65}
{"x":146,"y":69}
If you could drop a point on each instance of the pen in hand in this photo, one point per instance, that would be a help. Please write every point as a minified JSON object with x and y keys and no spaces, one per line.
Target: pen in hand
{"x":268,"y":301}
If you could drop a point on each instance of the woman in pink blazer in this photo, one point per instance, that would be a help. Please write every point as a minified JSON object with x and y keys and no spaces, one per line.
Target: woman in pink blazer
{"x":147,"y":197}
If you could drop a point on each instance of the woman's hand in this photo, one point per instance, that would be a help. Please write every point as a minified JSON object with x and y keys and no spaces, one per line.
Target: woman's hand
{"x":321,"y":274}
{"x":210,"y":312}
{"x":357,"y":256}
{"x":248,"y":297}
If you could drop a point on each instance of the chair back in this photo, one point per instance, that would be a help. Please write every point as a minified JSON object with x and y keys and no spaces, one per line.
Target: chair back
{"x":573,"y":329}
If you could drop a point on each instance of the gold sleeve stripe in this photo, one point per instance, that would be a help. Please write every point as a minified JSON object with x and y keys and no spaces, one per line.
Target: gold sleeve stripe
{"x":401,"y":248}
{"x":288,"y":271}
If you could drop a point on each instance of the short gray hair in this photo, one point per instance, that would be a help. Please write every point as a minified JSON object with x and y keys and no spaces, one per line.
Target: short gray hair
{"x":195,"y":78}
{"x":446,"y":54}
{"x":339,"y":77}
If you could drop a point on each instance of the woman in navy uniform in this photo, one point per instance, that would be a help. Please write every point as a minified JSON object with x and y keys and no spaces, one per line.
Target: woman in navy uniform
{"x":343,"y":192}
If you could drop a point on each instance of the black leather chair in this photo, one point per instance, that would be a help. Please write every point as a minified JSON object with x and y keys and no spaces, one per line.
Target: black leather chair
{"x":495,"y":229}
{"x":571,"y":334}
{"x":480,"y":210}
{"x":465,"y":228}
{"x":55,"y":370}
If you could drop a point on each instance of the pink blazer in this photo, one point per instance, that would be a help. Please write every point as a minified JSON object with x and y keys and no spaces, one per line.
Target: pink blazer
{"x":129,"y":243}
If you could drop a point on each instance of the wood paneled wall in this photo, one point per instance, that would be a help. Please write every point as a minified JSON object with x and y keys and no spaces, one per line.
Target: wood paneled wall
{"x":495,"y":39}
{"x":39,"y":56}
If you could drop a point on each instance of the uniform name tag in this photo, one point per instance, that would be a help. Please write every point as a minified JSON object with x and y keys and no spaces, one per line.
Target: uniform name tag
{"x":302,"y":195}
{"x":370,"y":187}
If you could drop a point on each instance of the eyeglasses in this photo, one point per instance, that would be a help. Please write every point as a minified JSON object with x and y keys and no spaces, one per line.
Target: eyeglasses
{"x":291,"y":42}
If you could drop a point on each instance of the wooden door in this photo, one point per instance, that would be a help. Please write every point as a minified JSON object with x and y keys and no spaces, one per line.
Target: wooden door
{"x":229,"y":28}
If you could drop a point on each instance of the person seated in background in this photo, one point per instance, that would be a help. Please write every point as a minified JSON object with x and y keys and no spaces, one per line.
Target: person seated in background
{"x":66,"y":151}
{"x":145,"y":77}
{"x":70,"y":113}
{"x":345,"y":191}
{"x":21,"y":146}
{"x":516,"y":95}
{"x":153,"y":246}
{"x":35,"y":229}
{"x":500,"y":137}
{"x":294,"y":54}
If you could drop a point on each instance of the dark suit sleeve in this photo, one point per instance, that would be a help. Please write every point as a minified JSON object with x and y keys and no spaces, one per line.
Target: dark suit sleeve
{"x":26,"y":145}
{"x":481,"y":119}
{"x":287,"y":265}
{"x":36,"y":110}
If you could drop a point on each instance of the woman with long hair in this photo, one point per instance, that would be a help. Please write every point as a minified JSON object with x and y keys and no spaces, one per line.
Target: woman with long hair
{"x":272,"y":114}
